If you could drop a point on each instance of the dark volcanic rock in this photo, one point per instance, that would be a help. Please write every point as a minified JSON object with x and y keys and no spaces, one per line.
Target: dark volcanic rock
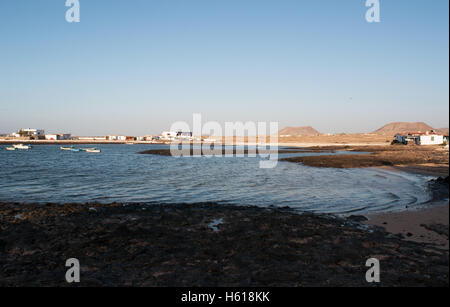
{"x":173,"y":245}
{"x":357,"y":218}
{"x":439,"y":187}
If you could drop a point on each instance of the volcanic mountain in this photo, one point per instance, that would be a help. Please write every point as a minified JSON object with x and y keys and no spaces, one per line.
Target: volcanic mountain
{"x":297,"y":131}
{"x":402,"y":127}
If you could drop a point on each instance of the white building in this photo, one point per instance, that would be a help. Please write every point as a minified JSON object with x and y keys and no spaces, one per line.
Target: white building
{"x":431,"y":139}
{"x":169,"y":135}
{"x":31,"y":132}
{"x":116,"y":138}
{"x":51,"y":137}
{"x":173,"y":135}
{"x":58,"y":137}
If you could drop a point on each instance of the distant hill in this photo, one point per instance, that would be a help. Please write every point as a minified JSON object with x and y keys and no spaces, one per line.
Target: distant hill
{"x":297,"y":131}
{"x":442,"y":130}
{"x":402,"y":127}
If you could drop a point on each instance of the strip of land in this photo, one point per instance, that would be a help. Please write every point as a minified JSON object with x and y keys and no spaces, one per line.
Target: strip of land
{"x":435,"y":159}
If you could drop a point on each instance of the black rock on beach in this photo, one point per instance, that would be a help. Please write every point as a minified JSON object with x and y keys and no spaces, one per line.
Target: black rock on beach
{"x":203,"y":245}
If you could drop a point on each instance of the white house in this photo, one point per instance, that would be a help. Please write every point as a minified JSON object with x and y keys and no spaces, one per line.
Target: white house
{"x":116,"y":138}
{"x":31,"y":132}
{"x":169,"y":135}
{"x":58,"y":137}
{"x":173,"y":135}
{"x":51,"y":137}
{"x":431,"y":139}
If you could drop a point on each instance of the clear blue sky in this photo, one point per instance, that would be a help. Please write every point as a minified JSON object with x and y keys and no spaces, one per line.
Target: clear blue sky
{"x":136,"y":66}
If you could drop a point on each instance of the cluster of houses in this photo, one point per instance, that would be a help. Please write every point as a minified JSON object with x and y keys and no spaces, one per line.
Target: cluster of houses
{"x":422,"y":138}
{"x":38,"y":134}
{"x":176,"y":135}
{"x":165,"y":136}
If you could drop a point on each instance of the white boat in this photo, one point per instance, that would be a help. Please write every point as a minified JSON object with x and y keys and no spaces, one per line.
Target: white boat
{"x":10,"y":148}
{"x":93,"y":150}
{"x":22,"y":147}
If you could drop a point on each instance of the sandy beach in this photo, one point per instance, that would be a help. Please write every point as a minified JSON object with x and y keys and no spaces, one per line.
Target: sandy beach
{"x":426,"y":225}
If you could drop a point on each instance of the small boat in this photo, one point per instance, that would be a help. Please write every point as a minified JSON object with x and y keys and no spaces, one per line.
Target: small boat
{"x":67,"y":148}
{"x":75,"y":149}
{"x":86,"y":149}
{"x":93,"y":150}
{"x":10,"y":148}
{"x":22,"y":147}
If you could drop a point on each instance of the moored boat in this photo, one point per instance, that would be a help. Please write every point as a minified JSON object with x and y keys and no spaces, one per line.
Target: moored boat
{"x":67,"y":148}
{"x":21,"y":146}
{"x":10,"y":148}
{"x":93,"y":150}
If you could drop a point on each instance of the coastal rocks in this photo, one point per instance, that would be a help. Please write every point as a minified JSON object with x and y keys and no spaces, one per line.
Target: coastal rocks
{"x":440,"y":229}
{"x":174,"y":245}
{"x":376,"y":156}
{"x":357,"y":218}
{"x":439,"y":188}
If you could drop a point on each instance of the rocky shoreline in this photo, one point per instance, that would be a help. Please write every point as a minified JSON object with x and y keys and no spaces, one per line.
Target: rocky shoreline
{"x":436,"y":158}
{"x":203,"y":245}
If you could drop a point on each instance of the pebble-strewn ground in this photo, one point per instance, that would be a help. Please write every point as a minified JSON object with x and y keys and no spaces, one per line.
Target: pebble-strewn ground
{"x":174,"y":245}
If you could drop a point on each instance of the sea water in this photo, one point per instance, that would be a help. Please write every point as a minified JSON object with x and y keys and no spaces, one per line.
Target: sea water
{"x":120,"y":174}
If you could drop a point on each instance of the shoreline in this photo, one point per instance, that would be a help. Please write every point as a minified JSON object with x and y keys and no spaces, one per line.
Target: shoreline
{"x":76,"y":142}
{"x":203,"y":245}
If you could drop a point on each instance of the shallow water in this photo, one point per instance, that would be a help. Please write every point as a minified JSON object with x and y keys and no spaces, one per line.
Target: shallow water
{"x":120,"y":174}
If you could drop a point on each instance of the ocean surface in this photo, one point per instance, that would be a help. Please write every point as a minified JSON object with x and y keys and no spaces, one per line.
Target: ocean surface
{"x":119,"y":174}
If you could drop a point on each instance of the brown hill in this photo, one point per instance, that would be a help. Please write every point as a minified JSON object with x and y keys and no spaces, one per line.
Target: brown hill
{"x":442,"y":130}
{"x":402,"y":127}
{"x":296,"y":131}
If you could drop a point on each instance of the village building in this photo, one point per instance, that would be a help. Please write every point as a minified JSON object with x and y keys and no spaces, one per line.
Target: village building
{"x":419,"y":138}
{"x":432,"y":139}
{"x":174,"y":135}
{"x":31,"y":133}
{"x":58,"y":137}
{"x":116,"y":138}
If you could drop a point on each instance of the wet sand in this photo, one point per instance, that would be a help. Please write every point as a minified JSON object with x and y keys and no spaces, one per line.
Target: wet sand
{"x":427,"y":225}
{"x":186,"y":245}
